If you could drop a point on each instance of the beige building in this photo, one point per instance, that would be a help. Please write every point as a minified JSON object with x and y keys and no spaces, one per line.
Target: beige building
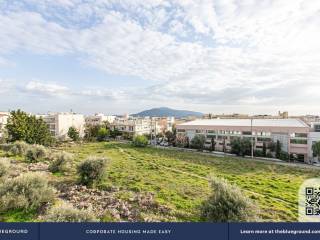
{"x":296,"y":137}
{"x":132,"y":126}
{"x":59,"y":123}
{"x":99,"y":119}
{"x":3,"y":121}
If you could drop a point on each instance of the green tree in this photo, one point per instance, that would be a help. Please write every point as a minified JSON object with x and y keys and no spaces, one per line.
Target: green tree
{"x":140,"y":141}
{"x":213,"y":144}
{"x":171,"y":137}
{"x":264,"y":149}
{"x":91,"y":132}
{"x":278,"y":149}
{"x":103,"y":133}
{"x":316,"y":149}
{"x":241,"y":147}
{"x":28,"y":128}
{"x":198,"y":141}
{"x":73,"y":133}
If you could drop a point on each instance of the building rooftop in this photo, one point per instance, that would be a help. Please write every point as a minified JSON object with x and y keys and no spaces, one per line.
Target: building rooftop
{"x":247,"y":122}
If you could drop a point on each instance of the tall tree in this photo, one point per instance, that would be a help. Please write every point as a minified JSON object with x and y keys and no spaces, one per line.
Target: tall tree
{"x":28,"y":128}
{"x":73,"y":133}
{"x":278,"y":149}
{"x":264,"y":149}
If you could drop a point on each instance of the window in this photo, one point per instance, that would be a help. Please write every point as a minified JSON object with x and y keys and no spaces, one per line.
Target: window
{"x":317,"y":127}
{"x":298,"y":141}
{"x":211,"y":136}
{"x":198,"y":131}
{"x":260,"y":139}
{"x":181,"y":130}
{"x":246,"y":133}
{"x":211,"y":131}
{"x":302,"y":135}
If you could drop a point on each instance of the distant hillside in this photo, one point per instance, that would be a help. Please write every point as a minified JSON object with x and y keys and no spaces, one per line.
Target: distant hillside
{"x":167,"y":112}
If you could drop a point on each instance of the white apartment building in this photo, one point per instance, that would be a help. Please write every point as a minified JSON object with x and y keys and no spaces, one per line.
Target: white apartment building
{"x":143,"y":125}
{"x":132,"y":126}
{"x":99,"y":119}
{"x":3,"y":121}
{"x":295,"y":136}
{"x":59,"y":123}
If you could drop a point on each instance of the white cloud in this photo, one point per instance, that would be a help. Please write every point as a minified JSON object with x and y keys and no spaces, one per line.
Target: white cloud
{"x":204,"y":51}
{"x":51,"y":89}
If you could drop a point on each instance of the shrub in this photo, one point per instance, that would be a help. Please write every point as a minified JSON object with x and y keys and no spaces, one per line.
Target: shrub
{"x":182,"y":141}
{"x":91,"y":170}
{"x":4,"y":167}
{"x":67,"y":213}
{"x":6,"y":147}
{"x":28,"y":192}
{"x":198,"y":141}
{"x":36,"y":153}
{"x":140,"y":141}
{"x":61,"y":162}
{"x":269,"y":155}
{"x":19,"y":148}
{"x":241,"y":147}
{"x":103,"y":133}
{"x":227,"y":204}
{"x":284,"y":156}
{"x":259,"y":153}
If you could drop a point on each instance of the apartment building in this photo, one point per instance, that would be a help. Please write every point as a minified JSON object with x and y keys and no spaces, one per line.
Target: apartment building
{"x":3,"y":121}
{"x":132,"y":126}
{"x":99,"y":119}
{"x":296,"y":137}
{"x":59,"y":123}
{"x":163,"y":124}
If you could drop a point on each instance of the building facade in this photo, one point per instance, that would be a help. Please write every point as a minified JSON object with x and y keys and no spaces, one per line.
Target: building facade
{"x":59,"y":123}
{"x":4,"y":116}
{"x":132,"y":126}
{"x":295,"y":136}
{"x":99,"y":119}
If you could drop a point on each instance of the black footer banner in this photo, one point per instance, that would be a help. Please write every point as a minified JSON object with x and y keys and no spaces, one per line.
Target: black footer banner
{"x":159,"y":231}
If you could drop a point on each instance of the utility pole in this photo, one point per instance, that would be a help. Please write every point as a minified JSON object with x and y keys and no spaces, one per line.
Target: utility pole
{"x":251,"y":137}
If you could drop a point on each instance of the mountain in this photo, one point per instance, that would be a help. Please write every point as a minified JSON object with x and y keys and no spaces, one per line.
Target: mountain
{"x":167,"y":112}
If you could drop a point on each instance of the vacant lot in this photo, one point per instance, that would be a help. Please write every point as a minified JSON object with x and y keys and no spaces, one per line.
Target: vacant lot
{"x":179,"y":180}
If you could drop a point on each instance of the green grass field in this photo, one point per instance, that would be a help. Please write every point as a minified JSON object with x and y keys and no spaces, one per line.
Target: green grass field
{"x":179,"y":180}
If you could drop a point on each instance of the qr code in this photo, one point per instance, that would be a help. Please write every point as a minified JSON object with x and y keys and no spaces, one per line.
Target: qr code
{"x":312,"y":201}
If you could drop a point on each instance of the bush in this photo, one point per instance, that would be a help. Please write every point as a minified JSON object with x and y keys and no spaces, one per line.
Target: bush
{"x":269,"y":155}
{"x":19,"y":148}
{"x":259,"y":153}
{"x":6,"y":147}
{"x":61,"y":162}
{"x":103,"y":133}
{"x":140,"y":141}
{"x":4,"y":167}
{"x":227,"y":204}
{"x":91,"y":170}
{"x":36,"y":153}
{"x":198,"y":141}
{"x":67,"y":213}
{"x":28,"y":192}
{"x":240,"y":146}
{"x":284,"y":156}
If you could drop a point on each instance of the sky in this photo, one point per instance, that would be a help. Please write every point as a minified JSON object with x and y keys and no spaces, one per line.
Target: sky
{"x":124,"y":56}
